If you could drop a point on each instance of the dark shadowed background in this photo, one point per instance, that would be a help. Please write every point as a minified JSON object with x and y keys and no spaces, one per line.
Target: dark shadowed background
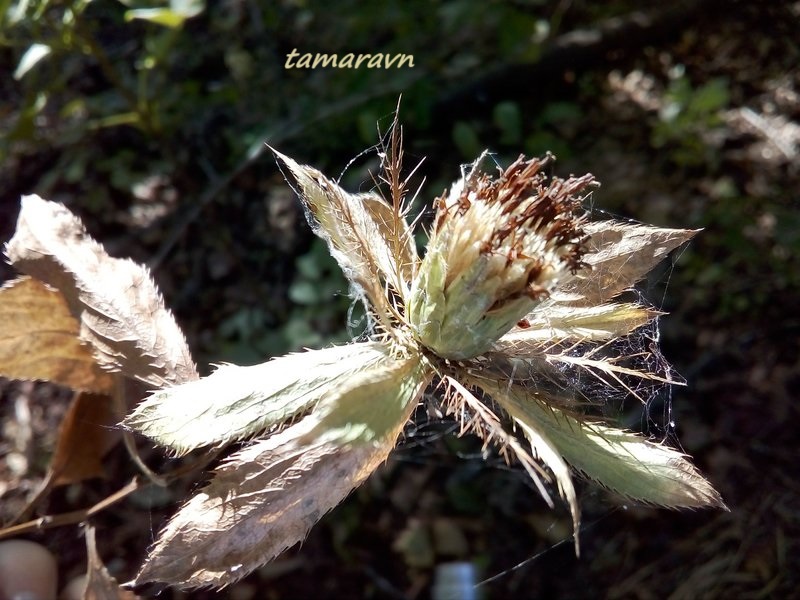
{"x":688,"y":113}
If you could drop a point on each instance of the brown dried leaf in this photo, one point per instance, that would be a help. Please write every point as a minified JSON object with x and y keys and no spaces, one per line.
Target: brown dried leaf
{"x":100,"y":585}
{"x":263,"y":500}
{"x":39,"y":339}
{"x":121,"y":312}
{"x":621,"y":254}
{"x":87,"y":433}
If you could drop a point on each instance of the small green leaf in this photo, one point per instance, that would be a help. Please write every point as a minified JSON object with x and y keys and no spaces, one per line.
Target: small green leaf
{"x":508,"y":119}
{"x":305,"y":292}
{"x":32,"y":56}
{"x":710,"y":97}
{"x":466,"y":139}
{"x":160,"y":16}
{"x":416,"y":545}
{"x":560,"y":112}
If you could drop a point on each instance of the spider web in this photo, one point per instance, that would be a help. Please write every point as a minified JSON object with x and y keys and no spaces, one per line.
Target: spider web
{"x":638,"y":403}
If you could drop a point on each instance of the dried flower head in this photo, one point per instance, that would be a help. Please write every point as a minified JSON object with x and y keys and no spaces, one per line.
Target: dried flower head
{"x":516,"y":289}
{"x":498,"y":248}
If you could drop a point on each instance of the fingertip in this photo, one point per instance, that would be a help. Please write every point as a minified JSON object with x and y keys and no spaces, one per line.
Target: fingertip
{"x":28,"y":571}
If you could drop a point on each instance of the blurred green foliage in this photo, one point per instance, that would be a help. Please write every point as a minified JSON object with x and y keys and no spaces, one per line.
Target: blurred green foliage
{"x":319,"y":296}
{"x":60,"y":35}
{"x":115,"y":94}
{"x":108,"y":96}
{"x":118,"y":95}
{"x":744,"y":263}
{"x":509,"y":132}
{"x":687,"y":118}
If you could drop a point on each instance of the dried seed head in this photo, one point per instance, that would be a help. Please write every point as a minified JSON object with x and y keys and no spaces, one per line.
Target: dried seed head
{"x":499,"y":246}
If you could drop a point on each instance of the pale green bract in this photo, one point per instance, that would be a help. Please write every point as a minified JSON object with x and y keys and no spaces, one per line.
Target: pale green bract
{"x":621,"y":461}
{"x":448,"y":325}
{"x":558,"y":322}
{"x":367,"y":407}
{"x":236,"y":403}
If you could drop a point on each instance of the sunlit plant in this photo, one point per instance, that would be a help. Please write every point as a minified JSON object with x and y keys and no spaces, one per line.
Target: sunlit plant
{"x":516,"y":290}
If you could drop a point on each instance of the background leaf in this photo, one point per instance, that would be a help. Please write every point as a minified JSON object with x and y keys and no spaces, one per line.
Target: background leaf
{"x":122,"y":314}
{"x":39,"y":339}
{"x":33,"y":55}
{"x":88,"y":431}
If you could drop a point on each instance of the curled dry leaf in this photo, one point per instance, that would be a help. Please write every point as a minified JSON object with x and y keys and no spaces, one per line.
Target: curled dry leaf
{"x":121,"y":313}
{"x":86,"y":434}
{"x":39,"y":339}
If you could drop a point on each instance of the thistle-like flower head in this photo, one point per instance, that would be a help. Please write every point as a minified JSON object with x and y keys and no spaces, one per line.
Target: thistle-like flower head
{"x":498,"y":248}
{"x":516,"y":292}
